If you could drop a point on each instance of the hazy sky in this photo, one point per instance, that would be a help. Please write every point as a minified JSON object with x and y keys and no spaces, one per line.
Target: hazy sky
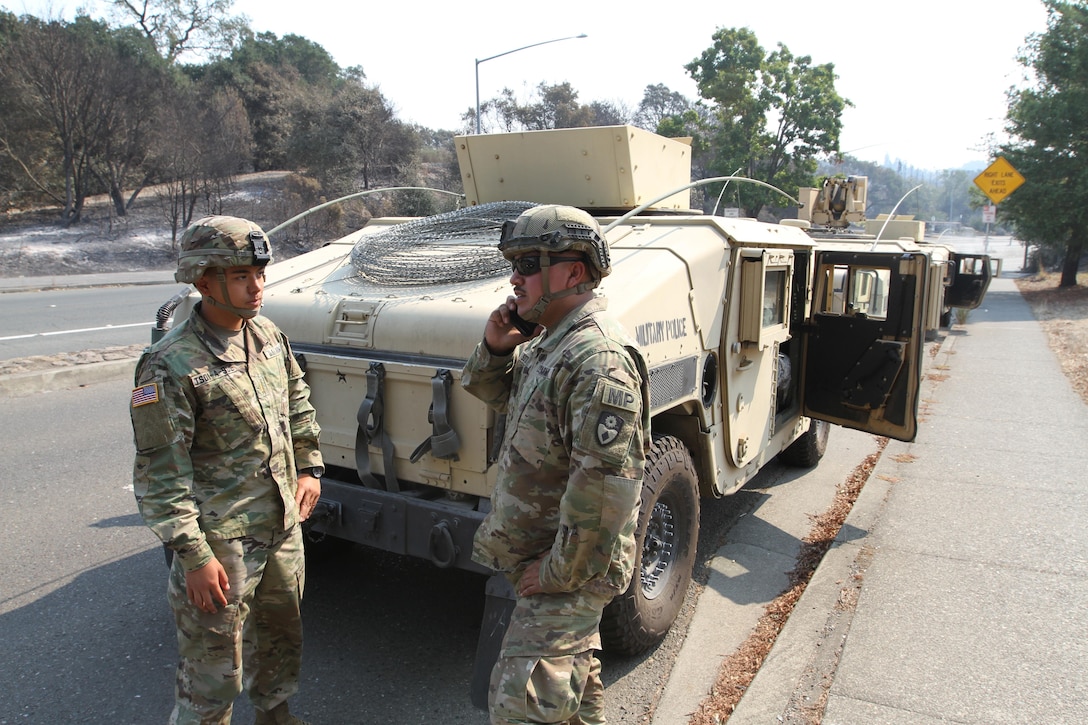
{"x":927,"y":78}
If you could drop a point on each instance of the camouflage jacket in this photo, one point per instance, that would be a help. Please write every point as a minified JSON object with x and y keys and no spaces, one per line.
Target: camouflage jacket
{"x":219,"y":438}
{"x":571,"y":463}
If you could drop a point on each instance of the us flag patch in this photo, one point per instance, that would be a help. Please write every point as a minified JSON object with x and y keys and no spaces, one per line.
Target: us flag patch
{"x":145,"y":394}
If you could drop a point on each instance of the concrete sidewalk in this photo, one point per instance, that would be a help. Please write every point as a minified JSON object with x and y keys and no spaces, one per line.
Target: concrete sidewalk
{"x":957,"y":588}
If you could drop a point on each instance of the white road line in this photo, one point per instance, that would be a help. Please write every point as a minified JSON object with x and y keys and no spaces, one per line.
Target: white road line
{"x":69,"y":332}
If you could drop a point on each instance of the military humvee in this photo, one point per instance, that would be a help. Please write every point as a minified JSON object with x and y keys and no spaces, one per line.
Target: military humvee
{"x":836,"y":213}
{"x":757,"y":336}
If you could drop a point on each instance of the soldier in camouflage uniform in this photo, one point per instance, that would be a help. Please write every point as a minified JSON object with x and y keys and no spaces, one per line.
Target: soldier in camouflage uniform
{"x":227,"y":466}
{"x":563,"y":511}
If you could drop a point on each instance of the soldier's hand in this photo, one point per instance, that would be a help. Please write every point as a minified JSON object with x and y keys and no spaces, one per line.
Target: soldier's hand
{"x":309,"y":491}
{"x":501,"y":335}
{"x":207,"y":586}
{"x":529,"y":583}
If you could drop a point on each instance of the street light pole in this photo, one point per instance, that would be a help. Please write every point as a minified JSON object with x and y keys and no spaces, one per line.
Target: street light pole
{"x":515,"y":50}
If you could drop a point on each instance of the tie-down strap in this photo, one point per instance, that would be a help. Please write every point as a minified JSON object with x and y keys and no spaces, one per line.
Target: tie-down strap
{"x":443,"y":441}
{"x":372,"y":426}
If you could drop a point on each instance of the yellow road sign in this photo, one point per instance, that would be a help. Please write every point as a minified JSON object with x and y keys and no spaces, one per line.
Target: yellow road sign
{"x":999,"y":180}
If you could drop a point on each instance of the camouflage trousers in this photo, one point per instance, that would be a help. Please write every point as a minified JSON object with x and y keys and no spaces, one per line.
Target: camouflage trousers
{"x":255,"y":642}
{"x":548,"y":671}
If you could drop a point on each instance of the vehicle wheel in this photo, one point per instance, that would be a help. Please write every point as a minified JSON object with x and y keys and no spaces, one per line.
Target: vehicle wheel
{"x":665,"y":542}
{"x":946,"y":318}
{"x":806,"y":451}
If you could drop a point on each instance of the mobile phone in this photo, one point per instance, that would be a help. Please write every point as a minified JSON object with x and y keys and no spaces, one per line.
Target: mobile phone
{"x":524,"y":326}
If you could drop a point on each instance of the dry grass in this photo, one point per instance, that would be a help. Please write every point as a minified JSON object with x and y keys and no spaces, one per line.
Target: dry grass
{"x":1063,"y":314}
{"x":739,"y":669}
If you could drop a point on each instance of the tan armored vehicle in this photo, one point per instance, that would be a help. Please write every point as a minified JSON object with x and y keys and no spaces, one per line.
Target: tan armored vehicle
{"x":836,"y":213}
{"x":756,"y":337}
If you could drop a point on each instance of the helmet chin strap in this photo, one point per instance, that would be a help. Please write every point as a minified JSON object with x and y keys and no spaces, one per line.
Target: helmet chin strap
{"x":228,"y":305}
{"x":546,"y":295}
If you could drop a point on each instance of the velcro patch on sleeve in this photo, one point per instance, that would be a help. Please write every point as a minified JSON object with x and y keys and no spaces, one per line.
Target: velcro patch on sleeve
{"x":145,"y":395}
{"x":617,"y":396}
{"x":152,"y":425}
{"x":610,"y":422}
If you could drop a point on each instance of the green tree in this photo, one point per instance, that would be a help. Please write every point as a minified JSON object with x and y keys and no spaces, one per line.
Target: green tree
{"x":1049,"y":145}
{"x":134,"y":84}
{"x":275,"y":78}
{"x":659,"y":103}
{"x":180,"y":26}
{"x":95,"y":90}
{"x":200,"y":140}
{"x":28,"y":173}
{"x":772,"y":114}
{"x":610,"y":113}
{"x":351,"y":135}
{"x":552,"y":106}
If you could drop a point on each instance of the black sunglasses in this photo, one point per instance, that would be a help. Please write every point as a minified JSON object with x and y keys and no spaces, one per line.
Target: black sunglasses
{"x":528,"y":266}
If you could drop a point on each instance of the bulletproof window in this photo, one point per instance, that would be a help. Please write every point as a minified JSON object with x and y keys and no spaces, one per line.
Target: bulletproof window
{"x":765,"y":296}
{"x":856,"y":291}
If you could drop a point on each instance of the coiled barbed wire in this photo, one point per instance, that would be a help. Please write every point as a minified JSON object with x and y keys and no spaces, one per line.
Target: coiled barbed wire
{"x":457,"y":246}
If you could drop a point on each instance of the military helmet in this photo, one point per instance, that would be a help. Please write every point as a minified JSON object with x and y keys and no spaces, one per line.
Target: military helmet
{"x":221,"y":241}
{"x":555,"y":229}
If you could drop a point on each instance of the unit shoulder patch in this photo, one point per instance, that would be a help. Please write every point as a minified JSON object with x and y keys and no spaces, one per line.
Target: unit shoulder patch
{"x":610,"y":422}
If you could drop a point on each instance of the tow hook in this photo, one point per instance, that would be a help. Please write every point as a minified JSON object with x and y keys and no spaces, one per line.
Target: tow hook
{"x":325,"y":514}
{"x":442,"y":549}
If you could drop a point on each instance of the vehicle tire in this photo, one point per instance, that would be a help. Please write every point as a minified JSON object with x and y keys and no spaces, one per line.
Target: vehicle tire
{"x":665,"y":541}
{"x":946,"y":318}
{"x":806,"y":451}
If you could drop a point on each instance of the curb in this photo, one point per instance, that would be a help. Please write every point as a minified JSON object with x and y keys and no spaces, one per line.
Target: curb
{"x":795,"y":675}
{"x":84,"y":281}
{"x":73,"y":376}
{"x":805,"y":654}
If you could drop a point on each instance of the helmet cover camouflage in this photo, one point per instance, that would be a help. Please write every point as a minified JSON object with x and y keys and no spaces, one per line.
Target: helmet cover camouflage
{"x":555,"y":229}
{"x":223,"y":242}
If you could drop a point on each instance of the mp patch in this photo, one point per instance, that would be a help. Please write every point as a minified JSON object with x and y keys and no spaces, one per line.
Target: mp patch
{"x":618,"y":396}
{"x":610,"y":422}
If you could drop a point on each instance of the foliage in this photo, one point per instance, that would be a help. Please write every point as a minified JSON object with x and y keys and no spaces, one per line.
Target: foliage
{"x":1050,"y":140}
{"x":93,"y":91}
{"x":199,"y":139}
{"x":550,"y":106}
{"x":658,"y":105}
{"x":181,"y":26}
{"x":348,"y":131}
{"x":610,"y":113}
{"x":276,"y":78}
{"x":771,"y":116}
{"x":26,"y":174}
{"x":91,"y":108}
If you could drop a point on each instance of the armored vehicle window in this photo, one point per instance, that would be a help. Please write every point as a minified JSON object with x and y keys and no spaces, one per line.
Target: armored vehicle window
{"x":765,"y":296}
{"x":972,"y":265}
{"x":774,"y":297}
{"x":856,"y":291}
